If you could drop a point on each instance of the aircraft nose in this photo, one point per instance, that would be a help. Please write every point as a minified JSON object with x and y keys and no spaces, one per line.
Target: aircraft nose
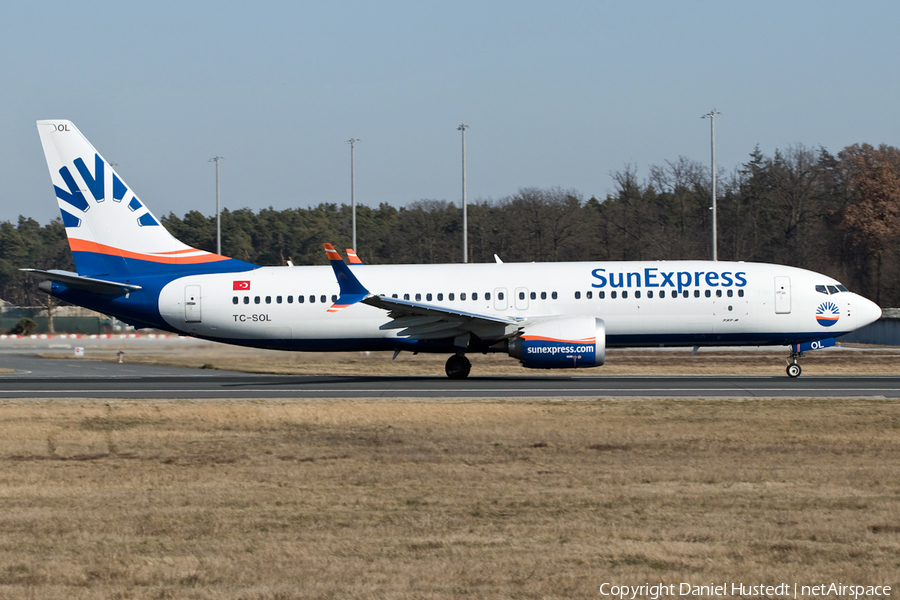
{"x":866,"y":312}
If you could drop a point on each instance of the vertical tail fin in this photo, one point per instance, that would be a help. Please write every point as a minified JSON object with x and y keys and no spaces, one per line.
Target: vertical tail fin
{"x":110,"y":230}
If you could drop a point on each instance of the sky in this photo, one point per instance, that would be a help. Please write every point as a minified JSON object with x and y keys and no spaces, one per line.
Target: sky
{"x":558,"y":94}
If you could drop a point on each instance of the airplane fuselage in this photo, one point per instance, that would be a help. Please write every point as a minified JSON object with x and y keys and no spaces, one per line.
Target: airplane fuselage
{"x":664,"y":303}
{"x":547,"y":315}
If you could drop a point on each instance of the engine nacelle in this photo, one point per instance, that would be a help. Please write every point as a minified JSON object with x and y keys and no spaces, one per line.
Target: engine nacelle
{"x":561,"y":343}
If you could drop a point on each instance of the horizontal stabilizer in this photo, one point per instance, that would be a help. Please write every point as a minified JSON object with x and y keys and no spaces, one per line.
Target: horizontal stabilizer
{"x":85,"y":284}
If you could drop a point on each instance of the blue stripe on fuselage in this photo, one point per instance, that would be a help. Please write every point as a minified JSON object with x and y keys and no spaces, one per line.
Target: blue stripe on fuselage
{"x":138,"y":308}
{"x":716,"y":339}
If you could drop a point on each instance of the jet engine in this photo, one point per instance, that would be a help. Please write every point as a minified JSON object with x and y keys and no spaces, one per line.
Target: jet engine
{"x":561,"y":343}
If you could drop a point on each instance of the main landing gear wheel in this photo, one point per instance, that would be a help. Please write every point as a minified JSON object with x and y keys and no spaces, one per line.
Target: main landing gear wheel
{"x":793,"y":370}
{"x":458,"y":367}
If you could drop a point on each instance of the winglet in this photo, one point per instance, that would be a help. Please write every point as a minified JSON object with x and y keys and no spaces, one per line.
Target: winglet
{"x":352,"y":291}
{"x":352,"y":257}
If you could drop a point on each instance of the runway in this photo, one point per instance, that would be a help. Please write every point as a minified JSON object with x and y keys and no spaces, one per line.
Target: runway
{"x":43,"y":378}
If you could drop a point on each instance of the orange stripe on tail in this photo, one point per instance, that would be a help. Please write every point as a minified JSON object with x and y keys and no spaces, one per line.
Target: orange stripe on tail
{"x":85,"y":246}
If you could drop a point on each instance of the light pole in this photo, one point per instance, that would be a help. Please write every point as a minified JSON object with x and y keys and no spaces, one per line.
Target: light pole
{"x":216,"y":160}
{"x":352,"y":142}
{"x":711,"y":115}
{"x":465,"y":221}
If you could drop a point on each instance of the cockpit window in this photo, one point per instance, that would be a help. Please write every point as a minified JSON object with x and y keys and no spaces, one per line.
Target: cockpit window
{"x":833,"y":289}
{"x":842,"y":288}
{"x":821,"y":289}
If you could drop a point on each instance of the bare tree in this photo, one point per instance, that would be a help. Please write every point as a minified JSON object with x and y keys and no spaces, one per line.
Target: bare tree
{"x":874,"y":218}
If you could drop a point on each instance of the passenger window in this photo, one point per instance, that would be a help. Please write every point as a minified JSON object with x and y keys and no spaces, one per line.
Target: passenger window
{"x":278,"y":299}
{"x":322,"y":299}
{"x":256,"y":300}
{"x":685,"y":294}
{"x":334,"y":297}
{"x":718,"y":293}
{"x":522,"y":295}
{"x":624,"y":293}
{"x":613,"y":294}
{"x":290,"y":299}
{"x":451,"y":296}
{"x":406,"y":296}
{"x":487,"y":295}
{"x":246,"y":299}
{"x":578,"y":295}
{"x":394,"y":296}
{"x":474,"y":295}
{"x":440,"y":297}
{"x":462,"y":296}
{"x":428,"y":297}
{"x":418,"y":297}
{"x":707,"y":293}
{"x":741,"y":293}
{"x":637,"y":294}
{"x":730,"y":293}
{"x":268,"y":299}
{"x":696,"y":293}
{"x":649,"y":293}
{"x":821,"y":289}
{"x":234,"y":300}
{"x":601,"y":294}
{"x":312,"y":299}
{"x":589,"y":295}
{"x":553,"y":295}
{"x":501,"y":295}
{"x":300,"y":299}
{"x":543,"y":295}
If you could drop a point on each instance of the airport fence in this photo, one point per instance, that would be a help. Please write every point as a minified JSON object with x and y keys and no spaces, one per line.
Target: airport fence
{"x":884,"y":332}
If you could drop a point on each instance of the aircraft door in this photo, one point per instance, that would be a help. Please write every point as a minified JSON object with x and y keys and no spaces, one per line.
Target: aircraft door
{"x":501,"y":302}
{"x":782,"y":295}
{"x":521,"y":298}
{"x":192,"y":304}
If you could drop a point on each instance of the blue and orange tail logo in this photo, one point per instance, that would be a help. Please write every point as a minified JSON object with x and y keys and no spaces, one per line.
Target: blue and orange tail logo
{"x":111,"y":232}
{"x":827,"y":314}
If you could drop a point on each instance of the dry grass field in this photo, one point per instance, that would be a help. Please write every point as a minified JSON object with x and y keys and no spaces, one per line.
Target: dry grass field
{"x":407,"y":499}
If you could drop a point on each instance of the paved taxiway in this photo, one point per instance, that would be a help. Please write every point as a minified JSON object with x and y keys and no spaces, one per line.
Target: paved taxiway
{"x":80,"y":378}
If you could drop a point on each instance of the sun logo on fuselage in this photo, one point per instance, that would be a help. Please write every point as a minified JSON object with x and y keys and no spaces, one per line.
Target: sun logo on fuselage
{"x":827,"y":314}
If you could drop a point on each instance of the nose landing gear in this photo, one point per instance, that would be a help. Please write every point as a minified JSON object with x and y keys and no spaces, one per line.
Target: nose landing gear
{"x":793,"y":368}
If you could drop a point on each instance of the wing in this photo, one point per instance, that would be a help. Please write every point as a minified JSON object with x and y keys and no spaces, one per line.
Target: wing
{"x":416,"y":320}
{"x":426,"y":322}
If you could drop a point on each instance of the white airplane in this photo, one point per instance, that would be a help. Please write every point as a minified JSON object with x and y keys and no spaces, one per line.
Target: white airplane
{"x":547,"y":315}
